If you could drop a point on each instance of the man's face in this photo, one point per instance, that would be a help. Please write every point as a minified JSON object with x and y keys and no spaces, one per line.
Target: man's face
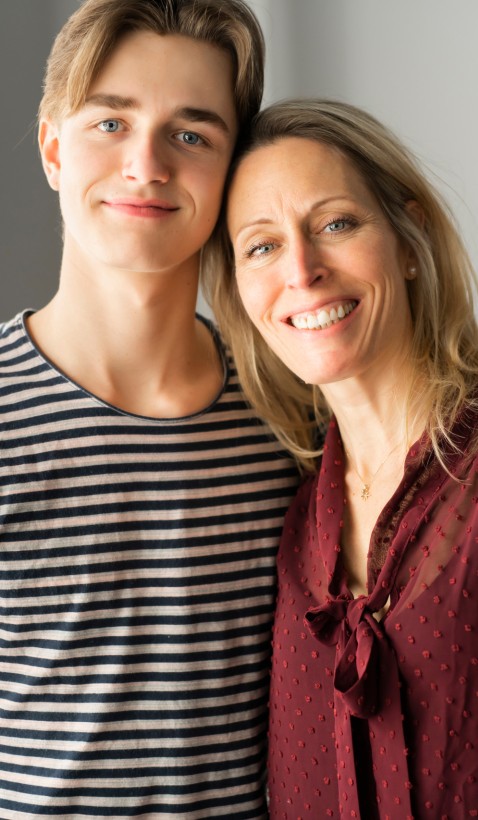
{"x":140,"y":168}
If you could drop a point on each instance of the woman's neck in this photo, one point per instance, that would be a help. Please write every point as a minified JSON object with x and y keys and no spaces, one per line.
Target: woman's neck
{"x":378,"y":418}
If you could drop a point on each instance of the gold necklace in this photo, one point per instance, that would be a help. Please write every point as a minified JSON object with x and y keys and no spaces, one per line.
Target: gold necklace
{"x":365,"y":491}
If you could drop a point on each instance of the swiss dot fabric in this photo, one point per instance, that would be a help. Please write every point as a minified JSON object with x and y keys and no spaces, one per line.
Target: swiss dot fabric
{"x":377,"y":719}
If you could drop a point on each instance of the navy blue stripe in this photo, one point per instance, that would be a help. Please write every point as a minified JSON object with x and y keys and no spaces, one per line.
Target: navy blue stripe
{"x":212,"y":462}
{"x":134,"y":640}
{"x":136,"y":773}
{"x":145,"y":658}
{"x":217,"y":711}
{"x":103,"y":528}
{"x":91,"y":413}
{"x":127,"y":448}
{"x":196,"y":561}
{"x":129,"y":696}
{"x":136,"y":505}
{"x":125,"y":735}
{"x":171,"y":619}
{"x":129,"y":678}
{"x":182,"y":810}
{"x":173,"y":752}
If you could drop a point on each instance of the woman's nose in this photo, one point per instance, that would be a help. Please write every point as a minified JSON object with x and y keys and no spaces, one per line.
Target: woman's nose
{"x":305,"y":264}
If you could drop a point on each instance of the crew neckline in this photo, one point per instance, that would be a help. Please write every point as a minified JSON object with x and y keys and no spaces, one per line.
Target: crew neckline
{"x":157,"y":420}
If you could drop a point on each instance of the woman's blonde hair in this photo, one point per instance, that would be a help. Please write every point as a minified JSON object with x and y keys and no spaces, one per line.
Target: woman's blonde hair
{"x":90,"y":35}
{"x":445,"y":333}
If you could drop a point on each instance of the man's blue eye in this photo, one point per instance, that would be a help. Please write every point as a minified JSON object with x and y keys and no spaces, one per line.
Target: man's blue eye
{"x":190,"y":138}
{"x":109,"y":126}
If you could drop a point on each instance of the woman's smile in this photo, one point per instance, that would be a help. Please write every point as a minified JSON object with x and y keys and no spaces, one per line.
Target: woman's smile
{"x":319,"y":268}
{"x":323,"y":318}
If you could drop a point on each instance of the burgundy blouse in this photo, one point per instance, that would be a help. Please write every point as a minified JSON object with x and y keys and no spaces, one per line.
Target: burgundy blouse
{"x":377,"y":719}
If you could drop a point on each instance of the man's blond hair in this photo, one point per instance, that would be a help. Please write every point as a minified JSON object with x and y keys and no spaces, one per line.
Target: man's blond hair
{"x":89,"y":37}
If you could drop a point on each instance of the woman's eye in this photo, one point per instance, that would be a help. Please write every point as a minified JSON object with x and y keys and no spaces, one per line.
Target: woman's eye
{"x":190,"y":138}
{"x":109,"y":126}
{"x":338,"y":225}
{"x":261,"y":249}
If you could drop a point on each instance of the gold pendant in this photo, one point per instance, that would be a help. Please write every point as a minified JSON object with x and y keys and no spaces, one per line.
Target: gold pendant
{"x":365,"y":492}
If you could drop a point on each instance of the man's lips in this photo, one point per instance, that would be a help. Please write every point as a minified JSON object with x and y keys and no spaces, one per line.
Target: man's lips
{"x":135,"y":206}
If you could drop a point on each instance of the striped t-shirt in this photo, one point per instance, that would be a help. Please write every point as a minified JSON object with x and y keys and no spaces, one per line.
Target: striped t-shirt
{"x":136,"y":595}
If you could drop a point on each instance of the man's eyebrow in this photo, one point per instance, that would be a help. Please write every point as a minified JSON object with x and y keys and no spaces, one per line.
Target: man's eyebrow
{"x":202,"y":115}
{"x":112,"y":101}
{"x":190,"y":113}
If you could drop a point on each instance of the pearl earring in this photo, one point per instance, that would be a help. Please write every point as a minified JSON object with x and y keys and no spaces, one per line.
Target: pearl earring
{"x":412,"y":271}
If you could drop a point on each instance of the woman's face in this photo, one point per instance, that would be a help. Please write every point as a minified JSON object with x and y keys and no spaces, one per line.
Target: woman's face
{"x":319,"y":268}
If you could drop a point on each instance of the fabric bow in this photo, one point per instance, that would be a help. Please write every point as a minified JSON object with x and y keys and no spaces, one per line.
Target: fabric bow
{"x":349,"y":624}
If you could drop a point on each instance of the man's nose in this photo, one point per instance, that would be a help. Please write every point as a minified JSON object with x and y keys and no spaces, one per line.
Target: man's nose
{"x":147,"y":160}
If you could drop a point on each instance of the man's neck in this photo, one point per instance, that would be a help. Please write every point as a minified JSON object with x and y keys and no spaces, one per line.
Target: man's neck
{"x":132,"y":340}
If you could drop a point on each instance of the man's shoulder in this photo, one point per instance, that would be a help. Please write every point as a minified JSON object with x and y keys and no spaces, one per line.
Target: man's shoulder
{"x":17,"y":355}
{"x":11,"y":326}
{"x":12,"y":337}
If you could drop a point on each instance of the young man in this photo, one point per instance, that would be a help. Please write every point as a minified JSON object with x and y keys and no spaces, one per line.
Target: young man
{"x":140,"y":499}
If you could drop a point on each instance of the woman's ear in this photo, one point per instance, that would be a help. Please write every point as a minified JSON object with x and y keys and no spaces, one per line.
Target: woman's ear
{"x":417,"y":214}
{"x":49,"y":143}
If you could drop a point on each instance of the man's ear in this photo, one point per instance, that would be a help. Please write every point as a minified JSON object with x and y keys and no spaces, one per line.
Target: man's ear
{"x":49,"y":143}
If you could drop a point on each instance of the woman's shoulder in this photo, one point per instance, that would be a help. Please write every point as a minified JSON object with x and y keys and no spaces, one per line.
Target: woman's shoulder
{"x":304,"y":503}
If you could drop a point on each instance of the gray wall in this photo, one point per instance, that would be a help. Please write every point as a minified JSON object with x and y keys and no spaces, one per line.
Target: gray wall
{"x":30,"y":231}
{"x":412,"y":63}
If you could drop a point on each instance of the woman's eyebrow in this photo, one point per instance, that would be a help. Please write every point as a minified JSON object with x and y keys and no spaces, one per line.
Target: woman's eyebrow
{"x":264,"y":220}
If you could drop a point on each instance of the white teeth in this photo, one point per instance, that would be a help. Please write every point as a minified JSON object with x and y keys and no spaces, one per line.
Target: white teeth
{"x":324,"y":318}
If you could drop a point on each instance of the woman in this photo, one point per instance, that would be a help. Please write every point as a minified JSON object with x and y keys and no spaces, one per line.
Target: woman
{"x":351,"y":293}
